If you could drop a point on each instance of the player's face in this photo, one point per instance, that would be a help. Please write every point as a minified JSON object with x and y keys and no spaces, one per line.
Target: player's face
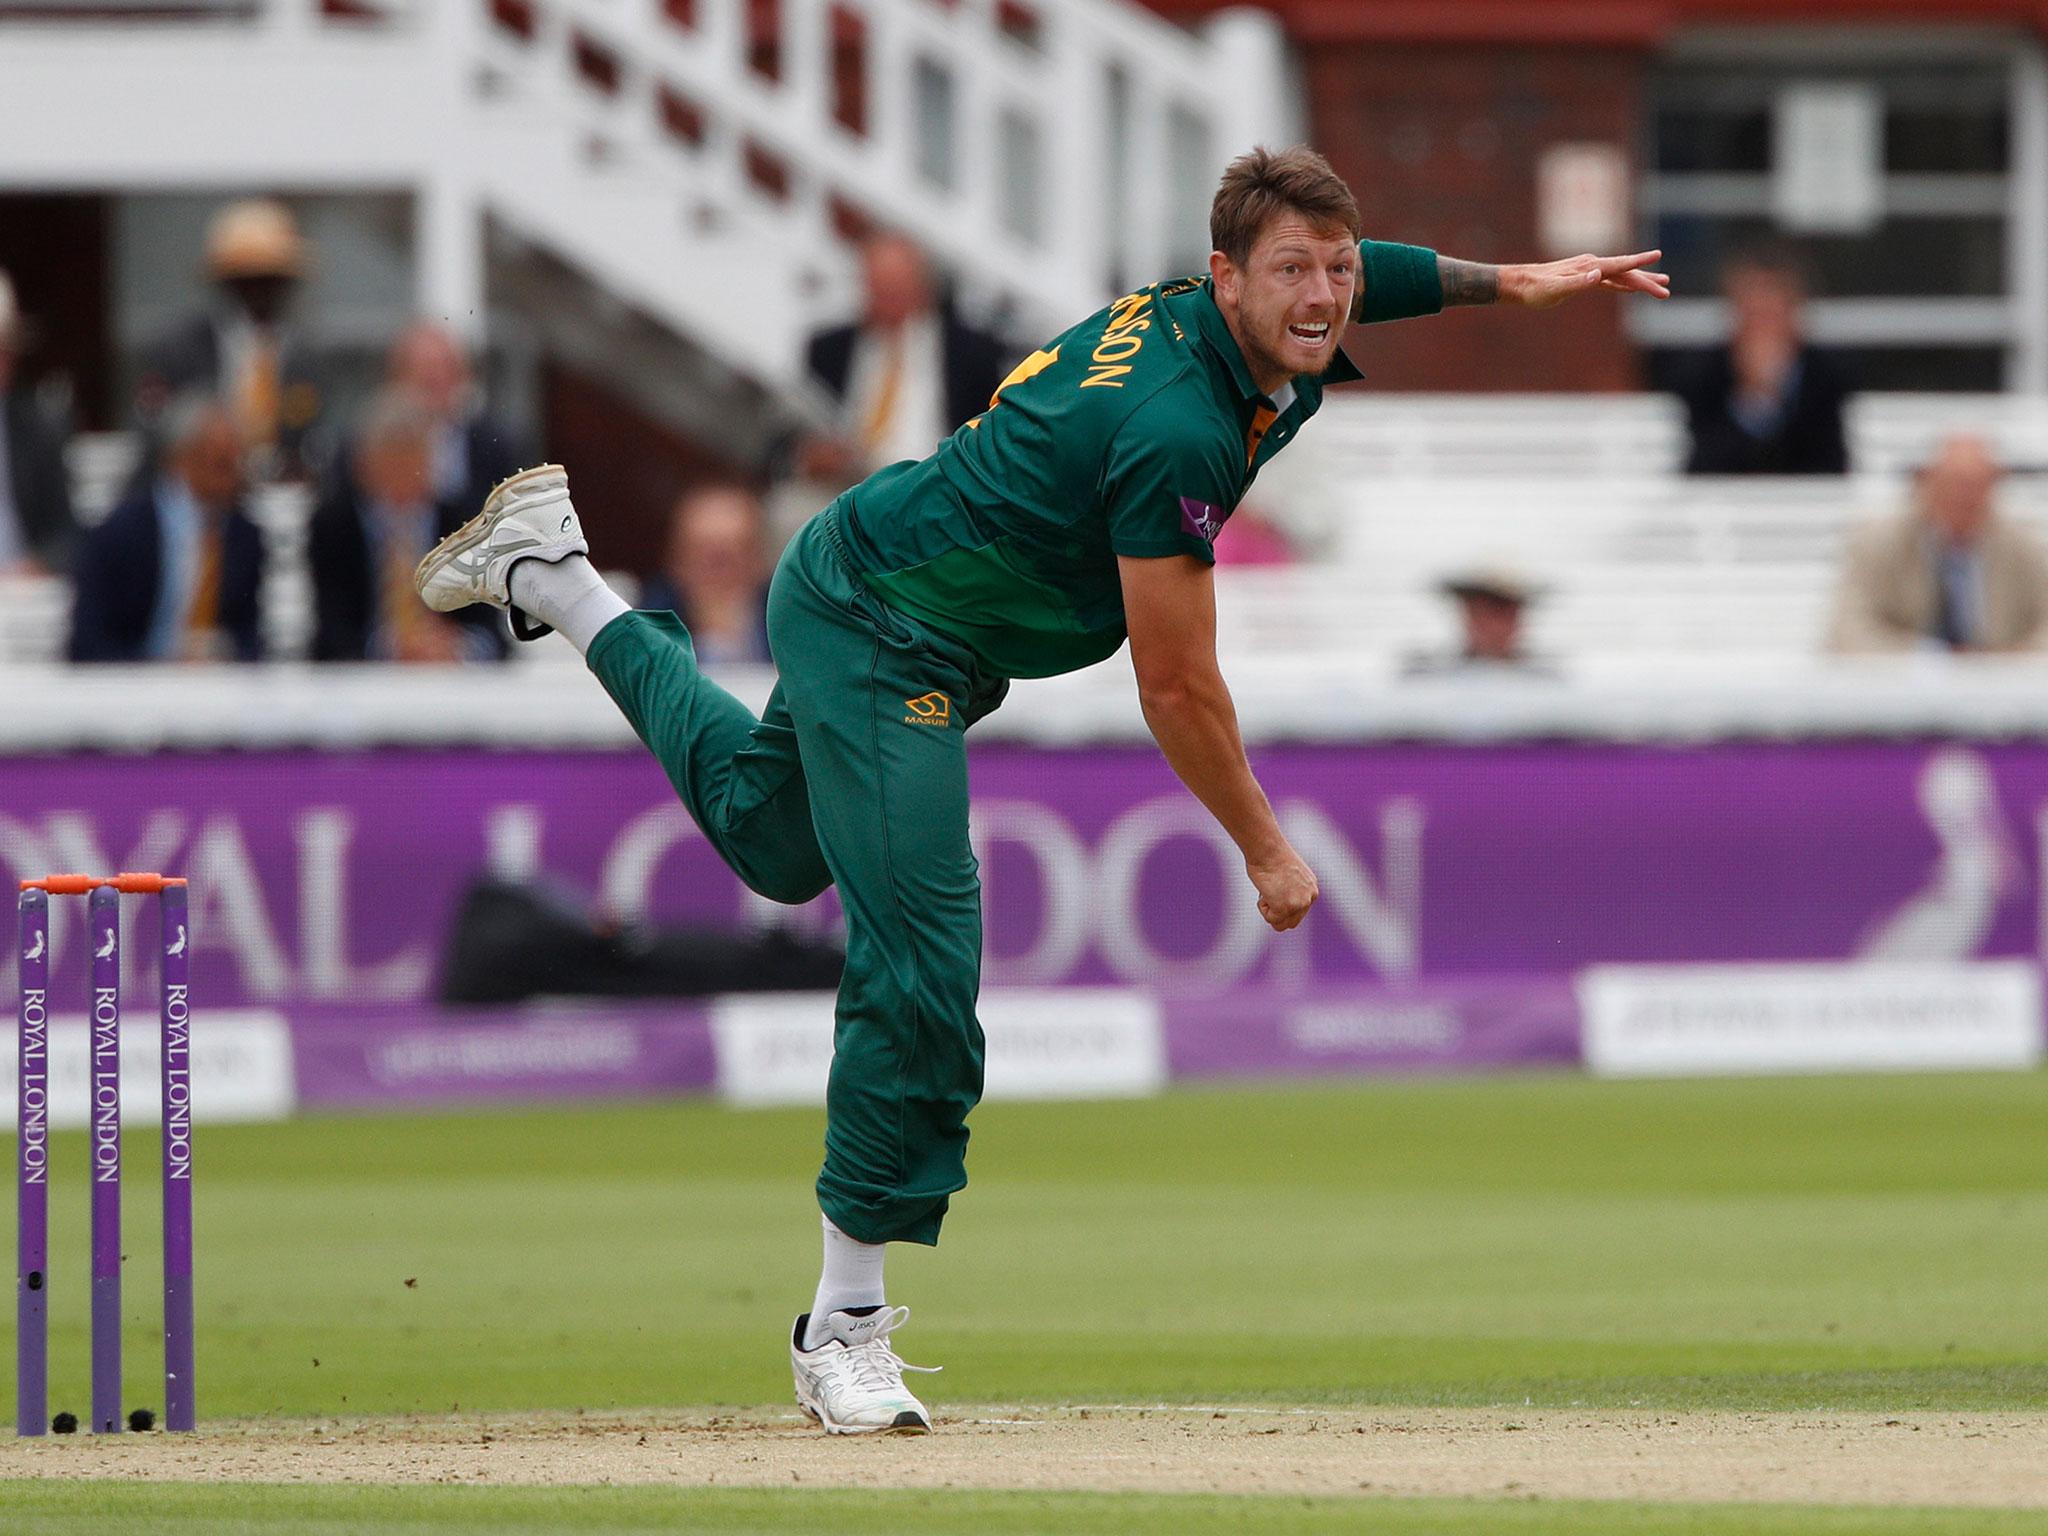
{"x":1294,"y":298}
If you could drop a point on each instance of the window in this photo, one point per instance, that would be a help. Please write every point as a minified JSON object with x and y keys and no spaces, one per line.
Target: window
{"x":1945,"y":286}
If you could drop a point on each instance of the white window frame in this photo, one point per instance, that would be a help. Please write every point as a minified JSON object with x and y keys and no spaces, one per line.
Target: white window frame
{"x":2017,"y":322}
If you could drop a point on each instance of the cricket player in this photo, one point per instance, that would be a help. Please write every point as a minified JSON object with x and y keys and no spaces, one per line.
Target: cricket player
{"x":1079,"y":510}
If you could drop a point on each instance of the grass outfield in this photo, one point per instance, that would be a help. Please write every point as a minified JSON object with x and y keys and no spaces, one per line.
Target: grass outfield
{"x":231,"y":1510}
{"x":1873,"y":1243}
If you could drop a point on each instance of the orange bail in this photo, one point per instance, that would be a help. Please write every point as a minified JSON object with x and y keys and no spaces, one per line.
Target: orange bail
{"x":129,"y":883}
{"x":142,"y":885}
{"x":64,"y":885}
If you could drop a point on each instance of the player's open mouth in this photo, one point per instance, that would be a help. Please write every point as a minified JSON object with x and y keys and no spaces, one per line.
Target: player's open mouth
{"x":1310,"y":335}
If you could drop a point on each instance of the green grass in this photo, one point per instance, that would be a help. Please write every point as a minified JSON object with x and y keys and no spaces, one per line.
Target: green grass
{"x":1870,"y":1243}
{"x":165,"y":1509}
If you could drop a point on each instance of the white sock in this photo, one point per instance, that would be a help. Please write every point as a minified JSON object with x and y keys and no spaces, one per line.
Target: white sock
{"x":569,"y":594}
{"x":852,"y":1278}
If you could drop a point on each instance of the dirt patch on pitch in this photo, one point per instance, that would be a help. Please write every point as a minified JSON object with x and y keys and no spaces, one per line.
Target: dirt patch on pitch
{"x":1998,"y":1460}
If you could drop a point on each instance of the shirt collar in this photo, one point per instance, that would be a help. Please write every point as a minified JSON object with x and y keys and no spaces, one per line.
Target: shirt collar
{"x":176,"y":502}
{"x":1215,"y":330}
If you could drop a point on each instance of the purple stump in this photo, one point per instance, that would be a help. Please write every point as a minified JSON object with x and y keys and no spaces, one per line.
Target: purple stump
{"x":32,"y":1173}
{"x":103,"y":922}
{"x":180,"y":1408}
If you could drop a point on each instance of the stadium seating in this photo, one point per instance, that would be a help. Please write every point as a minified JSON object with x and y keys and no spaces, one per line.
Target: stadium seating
{"x":1435,"y":437}
{"x":1581,"y":492}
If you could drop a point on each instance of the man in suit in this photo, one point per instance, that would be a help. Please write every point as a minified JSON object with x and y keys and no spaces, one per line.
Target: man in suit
{"x":1767,"y":403}
{"x":175,"y":573}
{"x":367,"y":536}
{"x":470,"y":449}
{"x":243,"y":347}
{"x":37,"y":529}
{"x":1949,"y":573}
{"x":901,"y":378}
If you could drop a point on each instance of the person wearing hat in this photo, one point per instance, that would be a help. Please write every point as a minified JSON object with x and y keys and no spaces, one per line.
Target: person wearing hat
{"x":242,"y":348}
{"x":37,"y":528}
{"x":1491,"y":600}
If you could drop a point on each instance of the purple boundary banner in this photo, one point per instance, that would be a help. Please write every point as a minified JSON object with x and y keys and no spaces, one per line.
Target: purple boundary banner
{"x":329,"y":879}
{"x":410,"y":1056}
{"x":1462,"y":1026}
{"x":396,"y":1056}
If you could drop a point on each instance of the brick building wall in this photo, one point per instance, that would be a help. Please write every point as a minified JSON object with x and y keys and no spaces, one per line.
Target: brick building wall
{"x":1437,"y":111}
{"x":1440,"y":143}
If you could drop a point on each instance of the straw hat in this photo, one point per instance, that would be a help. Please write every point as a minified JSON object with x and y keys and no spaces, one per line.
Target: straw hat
{"x":255,"y":238}
{"x":1498,"y":580}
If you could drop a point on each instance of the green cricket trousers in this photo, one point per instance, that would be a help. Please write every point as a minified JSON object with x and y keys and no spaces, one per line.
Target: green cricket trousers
{"x":855,"y":775}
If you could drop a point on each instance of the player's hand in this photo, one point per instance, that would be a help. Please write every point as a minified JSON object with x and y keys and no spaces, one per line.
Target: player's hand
{"x":1548,"y":284}
{"x":1287,"y":887}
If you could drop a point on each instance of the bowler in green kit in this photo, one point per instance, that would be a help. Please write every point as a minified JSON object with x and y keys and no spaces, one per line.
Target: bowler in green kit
{"x":1077,"y":512}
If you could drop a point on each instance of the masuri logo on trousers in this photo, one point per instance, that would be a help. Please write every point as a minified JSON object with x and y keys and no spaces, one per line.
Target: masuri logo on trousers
{"x":929,"y":709}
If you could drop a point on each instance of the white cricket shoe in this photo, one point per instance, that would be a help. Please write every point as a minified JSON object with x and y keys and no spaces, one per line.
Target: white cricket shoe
{"x":527,"y":517}
{"x":852,"y":1384}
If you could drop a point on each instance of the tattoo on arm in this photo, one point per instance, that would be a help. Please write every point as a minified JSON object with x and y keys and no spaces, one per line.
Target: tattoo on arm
{"x":1468,"y":282}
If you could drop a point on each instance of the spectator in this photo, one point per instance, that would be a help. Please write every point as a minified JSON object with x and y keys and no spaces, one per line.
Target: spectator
{"x":243,"y":348}
{"x":1949,"y":573}
{"x":367,"y":536}
{"x":1767,"y":403}
{"x":1492,"y":601}
{"x":36,"y":525}
{"x":471,"y":450}
{"x":176,"y":571}
{"x":715,"y":577}
{"x":901,"y":378}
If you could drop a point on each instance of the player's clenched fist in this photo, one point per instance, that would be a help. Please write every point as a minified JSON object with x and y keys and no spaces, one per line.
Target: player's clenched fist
{"x":1287,"y":888}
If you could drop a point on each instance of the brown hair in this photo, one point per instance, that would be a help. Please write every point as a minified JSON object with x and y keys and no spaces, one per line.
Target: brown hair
{"x":1259,"y":185}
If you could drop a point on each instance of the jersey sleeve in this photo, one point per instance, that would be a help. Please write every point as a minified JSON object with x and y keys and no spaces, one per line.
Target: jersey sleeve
{"x":1397,"y":282}
{"x":1167,"y":485}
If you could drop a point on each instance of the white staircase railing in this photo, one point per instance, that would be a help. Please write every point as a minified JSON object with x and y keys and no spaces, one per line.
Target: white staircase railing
{"x":688,"y":157}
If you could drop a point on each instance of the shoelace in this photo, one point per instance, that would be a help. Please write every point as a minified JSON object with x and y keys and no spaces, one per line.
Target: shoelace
{"x":874,"y":1364}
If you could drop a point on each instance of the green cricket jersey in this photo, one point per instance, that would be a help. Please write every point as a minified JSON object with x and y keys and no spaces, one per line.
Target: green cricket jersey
{"x":1134,"y":433}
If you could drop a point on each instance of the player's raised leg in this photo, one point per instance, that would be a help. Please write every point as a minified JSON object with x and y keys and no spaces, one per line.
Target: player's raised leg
{"x":740,"y":777}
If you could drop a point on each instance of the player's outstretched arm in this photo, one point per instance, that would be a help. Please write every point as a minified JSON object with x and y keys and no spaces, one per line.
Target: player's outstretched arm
{"x":1543,"y":285}
{"x":1170,"y":610}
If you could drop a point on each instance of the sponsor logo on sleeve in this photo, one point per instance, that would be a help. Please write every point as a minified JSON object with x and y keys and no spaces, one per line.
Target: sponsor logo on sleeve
{"x":1201,"y":519}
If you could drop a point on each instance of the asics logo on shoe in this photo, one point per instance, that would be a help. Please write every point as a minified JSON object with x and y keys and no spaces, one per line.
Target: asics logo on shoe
{"x":477,"y":558}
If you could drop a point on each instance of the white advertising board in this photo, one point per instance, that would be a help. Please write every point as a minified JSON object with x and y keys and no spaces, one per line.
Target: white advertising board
{"x":1698,"y":1020}
{"x":242,"y":1068}
{"x":1055,"y":1043}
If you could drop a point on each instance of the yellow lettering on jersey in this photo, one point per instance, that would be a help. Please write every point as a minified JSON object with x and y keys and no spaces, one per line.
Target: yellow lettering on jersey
{"x":1121,"y":338}
{"x":1037,"y":362}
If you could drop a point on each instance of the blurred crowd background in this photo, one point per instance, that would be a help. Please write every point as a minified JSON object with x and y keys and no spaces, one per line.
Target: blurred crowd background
{"x":241,"y":397}
{"x":1592,"y":658}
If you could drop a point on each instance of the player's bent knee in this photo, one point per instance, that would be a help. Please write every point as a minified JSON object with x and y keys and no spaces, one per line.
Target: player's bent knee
{"x":789,"y":889}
